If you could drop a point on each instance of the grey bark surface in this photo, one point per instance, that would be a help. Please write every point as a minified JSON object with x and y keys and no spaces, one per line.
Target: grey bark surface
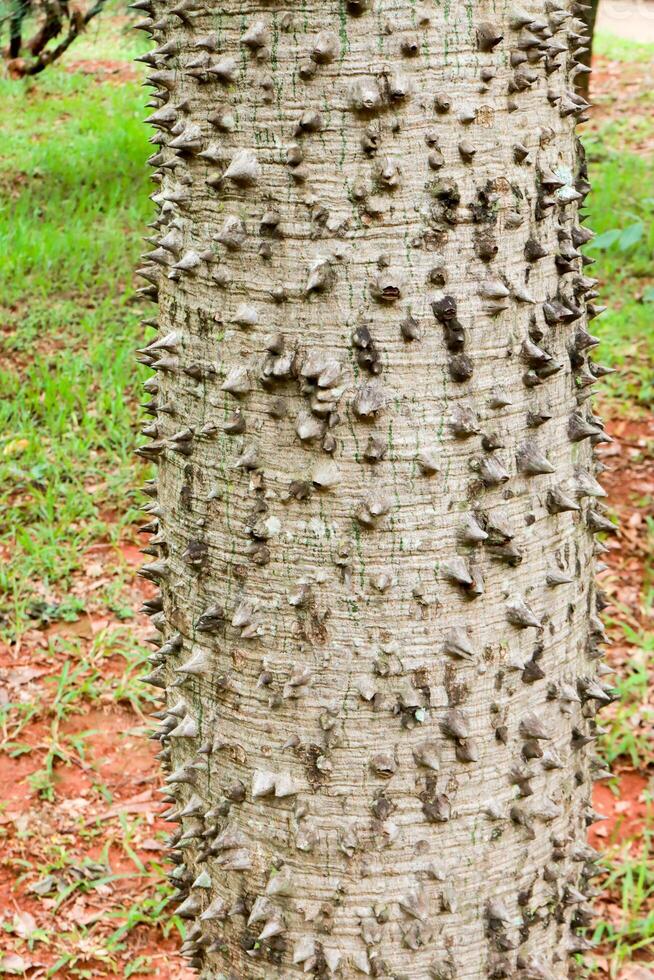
{"x":375,"y":511}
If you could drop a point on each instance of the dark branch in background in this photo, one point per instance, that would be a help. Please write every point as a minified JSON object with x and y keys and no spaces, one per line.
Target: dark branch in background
{"x":589,"y":16}
{"x":19,"y":10}
{"x":50,"y":26}
{"x":53,"y":18}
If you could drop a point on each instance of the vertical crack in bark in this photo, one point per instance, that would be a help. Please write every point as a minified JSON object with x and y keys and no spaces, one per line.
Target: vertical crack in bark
{"x":375,"y":513}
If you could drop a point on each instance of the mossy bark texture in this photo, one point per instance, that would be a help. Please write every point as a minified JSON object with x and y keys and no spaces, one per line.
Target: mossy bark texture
{"x":376,"y":504}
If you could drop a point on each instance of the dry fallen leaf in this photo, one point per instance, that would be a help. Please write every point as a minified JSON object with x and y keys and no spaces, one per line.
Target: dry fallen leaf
{"x":15,"y":447}
{"x":24,"y":924}
{"x":17,"y":676}
{"x":13,"y":963}
{"x":635,"y":972}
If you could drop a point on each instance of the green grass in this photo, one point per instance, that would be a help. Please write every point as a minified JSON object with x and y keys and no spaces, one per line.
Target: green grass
{"x":631,"y":878}
{"x":76,"y":152}
{"x":621,"y":207}
{"x":617,"y":49}
{"x":80,"y":678}
{"x":63,"y":879}
{"x":73,"y":206}
{"x":630,"y":722}
{"x":622,"y":215}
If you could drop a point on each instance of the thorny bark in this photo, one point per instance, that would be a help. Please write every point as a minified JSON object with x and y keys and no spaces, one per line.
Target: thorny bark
{"x":375,"y":513}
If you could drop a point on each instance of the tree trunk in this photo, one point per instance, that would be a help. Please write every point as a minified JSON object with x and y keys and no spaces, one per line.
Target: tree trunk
{"x":590,"y":17}
{"x":375,"y":508}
